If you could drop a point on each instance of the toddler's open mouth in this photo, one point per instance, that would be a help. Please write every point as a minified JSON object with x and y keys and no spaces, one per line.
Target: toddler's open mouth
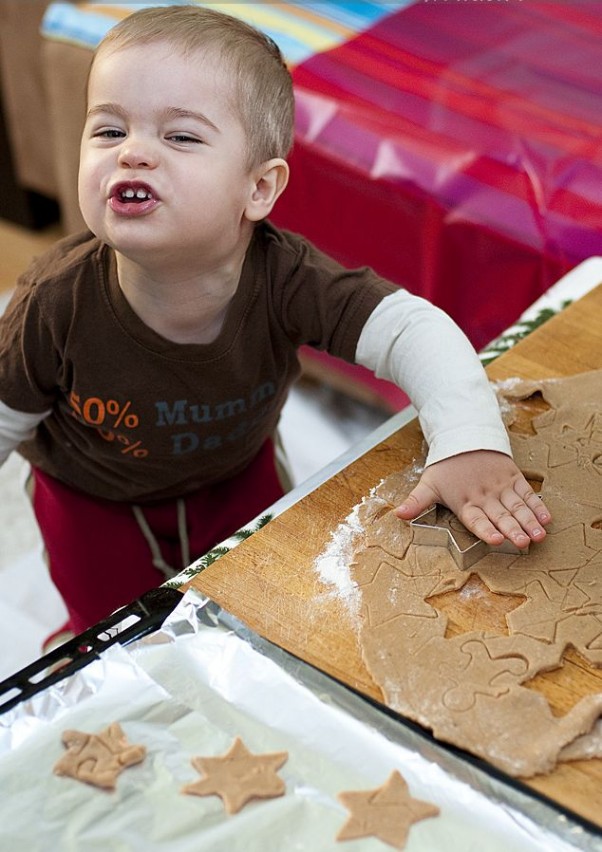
{"x":132,"y":198}
{"x":132,"y":191}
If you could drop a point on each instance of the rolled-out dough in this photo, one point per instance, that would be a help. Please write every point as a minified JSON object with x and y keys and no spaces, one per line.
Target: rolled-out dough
{"x":470,"y":688}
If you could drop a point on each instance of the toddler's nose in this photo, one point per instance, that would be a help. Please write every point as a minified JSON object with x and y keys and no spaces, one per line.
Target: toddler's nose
{"x":137,"y":155}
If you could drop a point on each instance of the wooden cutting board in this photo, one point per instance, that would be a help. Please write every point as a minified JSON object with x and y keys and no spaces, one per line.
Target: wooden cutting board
{"x":271,"y":584}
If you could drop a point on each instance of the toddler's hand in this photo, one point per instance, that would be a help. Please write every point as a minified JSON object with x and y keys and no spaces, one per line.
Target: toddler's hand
{"x":487,"y":492}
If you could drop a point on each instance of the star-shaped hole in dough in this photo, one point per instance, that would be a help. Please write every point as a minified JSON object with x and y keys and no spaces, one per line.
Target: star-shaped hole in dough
{"x":475,"y":607}
{"x":238,"y":776}
{"x":98,"y":759}
{"x":388,"y":812}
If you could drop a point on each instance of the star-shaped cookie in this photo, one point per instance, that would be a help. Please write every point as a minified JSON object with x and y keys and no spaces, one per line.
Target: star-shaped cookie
{"x":387,"y":812}
{"x":238,"y":776}
{"x":98,"y":758}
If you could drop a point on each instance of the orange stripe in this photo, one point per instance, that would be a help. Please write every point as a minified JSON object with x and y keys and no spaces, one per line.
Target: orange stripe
{"x":110,"y":11}
{"x":323,"y":23}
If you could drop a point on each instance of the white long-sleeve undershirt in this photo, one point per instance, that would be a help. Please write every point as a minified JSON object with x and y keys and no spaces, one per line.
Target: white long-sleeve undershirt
{"x":408,"y":341}
{"x":15,"y":427}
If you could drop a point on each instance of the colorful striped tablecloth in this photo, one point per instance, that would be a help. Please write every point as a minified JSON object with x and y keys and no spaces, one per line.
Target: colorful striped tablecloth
{"x":457,"y":147}
{"x":301,"y":29}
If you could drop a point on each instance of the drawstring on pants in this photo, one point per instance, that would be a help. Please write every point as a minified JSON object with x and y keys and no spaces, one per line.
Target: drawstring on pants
{"x":157,"y":557}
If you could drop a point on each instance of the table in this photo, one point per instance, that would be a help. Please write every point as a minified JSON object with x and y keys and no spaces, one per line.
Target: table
{"x":270,"y":583}
{"x":453,"y":147}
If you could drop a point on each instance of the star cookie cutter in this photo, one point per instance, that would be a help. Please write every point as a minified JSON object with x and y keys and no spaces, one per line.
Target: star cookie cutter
{"x":434,"y":529}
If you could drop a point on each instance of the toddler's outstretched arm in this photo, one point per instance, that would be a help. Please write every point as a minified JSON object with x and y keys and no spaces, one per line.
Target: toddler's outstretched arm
{"x":469,"y":467}
{"x":487,"y":492}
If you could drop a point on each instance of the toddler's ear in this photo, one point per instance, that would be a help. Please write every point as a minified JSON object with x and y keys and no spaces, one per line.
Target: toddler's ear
{"x":270,"y":179}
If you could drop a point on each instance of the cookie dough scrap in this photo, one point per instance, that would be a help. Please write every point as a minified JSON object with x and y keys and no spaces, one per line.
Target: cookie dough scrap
{"x":238,"y":776}
{"x":387,"y":812}
{"x":98,"y":759}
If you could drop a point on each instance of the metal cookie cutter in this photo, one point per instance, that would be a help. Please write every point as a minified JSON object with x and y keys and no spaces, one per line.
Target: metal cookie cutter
{"x":438,"y":527}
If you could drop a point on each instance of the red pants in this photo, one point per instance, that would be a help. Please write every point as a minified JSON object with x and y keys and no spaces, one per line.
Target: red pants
{"x":98,"y":557}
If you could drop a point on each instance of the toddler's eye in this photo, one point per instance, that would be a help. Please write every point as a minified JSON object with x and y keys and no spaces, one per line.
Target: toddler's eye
{"x":183,"y":138}
{"x":109,"y":133}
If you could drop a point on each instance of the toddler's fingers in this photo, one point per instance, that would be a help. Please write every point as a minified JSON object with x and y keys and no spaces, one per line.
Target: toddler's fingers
{"x":517,"y":520}
{"x":533,"y":501}
{"x":478,"y":522}
{"x":507,"y":517}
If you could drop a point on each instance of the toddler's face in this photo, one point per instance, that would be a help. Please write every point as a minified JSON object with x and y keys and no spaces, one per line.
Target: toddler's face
{"x":162,"y":168}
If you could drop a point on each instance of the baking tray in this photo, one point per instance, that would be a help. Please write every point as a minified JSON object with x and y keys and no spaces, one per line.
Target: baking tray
{"x":282,"y":688}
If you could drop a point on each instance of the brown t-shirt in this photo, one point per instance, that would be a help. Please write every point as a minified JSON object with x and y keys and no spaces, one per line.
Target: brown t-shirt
{"x":136,"y":417}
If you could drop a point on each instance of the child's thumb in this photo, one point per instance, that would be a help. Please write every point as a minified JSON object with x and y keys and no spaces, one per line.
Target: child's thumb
{"x":417,"y":501}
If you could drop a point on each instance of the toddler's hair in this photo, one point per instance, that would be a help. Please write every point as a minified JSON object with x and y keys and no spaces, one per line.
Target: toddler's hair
{"x":261,"y":83}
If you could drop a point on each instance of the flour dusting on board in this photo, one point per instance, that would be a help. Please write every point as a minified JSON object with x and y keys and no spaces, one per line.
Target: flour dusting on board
{"x":333,"y":563}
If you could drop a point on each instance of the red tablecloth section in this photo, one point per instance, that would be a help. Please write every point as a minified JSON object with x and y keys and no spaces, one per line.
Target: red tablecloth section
{"x":456,"y":147}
